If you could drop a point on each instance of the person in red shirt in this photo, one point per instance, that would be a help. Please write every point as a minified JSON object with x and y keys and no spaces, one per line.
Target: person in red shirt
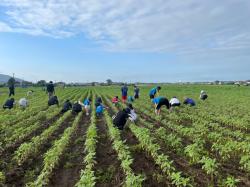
{"x":115,"y":100}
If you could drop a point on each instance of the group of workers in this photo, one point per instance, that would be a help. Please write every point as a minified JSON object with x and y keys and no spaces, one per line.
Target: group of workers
{"x":120,"y":119}
{"x":174,"y":101}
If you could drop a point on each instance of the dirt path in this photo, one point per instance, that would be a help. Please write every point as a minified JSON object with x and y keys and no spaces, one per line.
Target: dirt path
{"x":108,"y":169}
{"x":20,"y":175}
{"x":68,"y":172}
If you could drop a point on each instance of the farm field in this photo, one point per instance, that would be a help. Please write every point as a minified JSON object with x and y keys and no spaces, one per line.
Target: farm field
{"x":205,"y":145}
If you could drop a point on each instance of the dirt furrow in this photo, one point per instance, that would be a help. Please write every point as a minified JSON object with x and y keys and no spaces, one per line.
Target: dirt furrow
{"x":20,"y":175}
{"x":107,"y":169}
{"x":68,"y":171}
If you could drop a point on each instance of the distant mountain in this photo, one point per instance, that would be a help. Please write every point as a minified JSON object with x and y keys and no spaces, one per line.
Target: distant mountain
{"x":5,"y":78}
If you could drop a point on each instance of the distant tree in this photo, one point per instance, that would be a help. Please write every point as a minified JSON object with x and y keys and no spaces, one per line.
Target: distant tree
{"x":109,"y":81}
{"x":93,"y":84}
{"x":41,"y":83}
{"x":11,"y":82}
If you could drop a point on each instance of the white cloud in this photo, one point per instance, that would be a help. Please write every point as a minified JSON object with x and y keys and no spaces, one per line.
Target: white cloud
{"x":181,"y":27}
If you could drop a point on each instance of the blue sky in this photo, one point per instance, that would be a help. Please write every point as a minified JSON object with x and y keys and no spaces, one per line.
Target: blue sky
{"x":144,"y":40}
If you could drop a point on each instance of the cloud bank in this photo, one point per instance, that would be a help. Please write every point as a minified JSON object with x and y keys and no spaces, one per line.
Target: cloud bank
{"x":168,"y":26}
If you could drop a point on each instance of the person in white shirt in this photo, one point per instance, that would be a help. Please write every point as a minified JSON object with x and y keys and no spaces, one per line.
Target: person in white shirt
{"x":30,"y":93}
{"x":23,"y":103}
{"x":174,"y":102}
{"x":203,"y":95}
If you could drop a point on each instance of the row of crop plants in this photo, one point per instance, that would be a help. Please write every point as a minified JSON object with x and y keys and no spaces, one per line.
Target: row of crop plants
{"x":151,"y":147}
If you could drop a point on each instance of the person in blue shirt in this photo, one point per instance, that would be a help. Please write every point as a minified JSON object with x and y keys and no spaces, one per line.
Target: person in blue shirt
{"x":99,"y":110}
{"x":124,"y":91}
{"x":189,"y":101}
{"x":159,"y":102}
{"x":86,"y":104}
{"x":131,"y":99}
{"x":154,"y":91}
{"x":98,"y":101}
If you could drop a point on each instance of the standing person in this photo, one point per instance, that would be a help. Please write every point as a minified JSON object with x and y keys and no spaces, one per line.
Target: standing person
{"x":66,"y":106}
{"x":120,"y":119}
{"x":77,"y":107}
{"x":50,"y":89}
{"x":12,"y":90}
{"x":203,"y":95}
{"x":53,"y":101}
{"x":11,"y":84}
{"x":23,"y":103}
{"x":86,"y":105}
{"x":9,"y":104}
{"x":136,"y":92}
{"x":189,"y":101}
{"x":159,"y":102}
{"x":154,"y":91}
{"x":124,"y":91}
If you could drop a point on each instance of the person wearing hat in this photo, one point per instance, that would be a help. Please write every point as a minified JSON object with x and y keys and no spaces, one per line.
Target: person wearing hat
{"x":120,"y":119}
{"x":203,"y":95}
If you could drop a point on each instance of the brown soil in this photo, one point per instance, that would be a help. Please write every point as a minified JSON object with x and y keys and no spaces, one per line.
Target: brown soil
{"x":108,"y":170}
{"x":44,"y":125}
{"x":19,"y":175}
{"x":143,"y":163}
{"x":195,"y":171}
{"x":68,"y":172}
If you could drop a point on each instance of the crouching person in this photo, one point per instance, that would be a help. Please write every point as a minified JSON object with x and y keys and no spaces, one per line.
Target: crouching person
{"x":99,"y":110}
{"x":9,"y":104}
{"x":76,"y":108}
{"x":203,"y":95}
{"x":23,"y":103}
{"x":66,"y":106}
{"x":53,"y":101}
{"x":86,"y":104}
{"x":120,"y":119}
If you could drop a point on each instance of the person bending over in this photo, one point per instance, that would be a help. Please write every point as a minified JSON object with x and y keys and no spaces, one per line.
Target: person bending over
{"x":9,"y":104}
{"x":23,"y":103}
{"x":189,"y":101}
{"x":154,"y":91}
{"x":76,"y":108}
{"x":66,"y":106}
{"x":53,"y":101}
{"x":120,"y":119}
{"x":159,"y":102}
{"x":203,"y":95}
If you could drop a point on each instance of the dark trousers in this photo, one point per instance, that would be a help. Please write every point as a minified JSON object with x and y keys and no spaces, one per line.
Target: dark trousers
{"x":11,"y":92}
